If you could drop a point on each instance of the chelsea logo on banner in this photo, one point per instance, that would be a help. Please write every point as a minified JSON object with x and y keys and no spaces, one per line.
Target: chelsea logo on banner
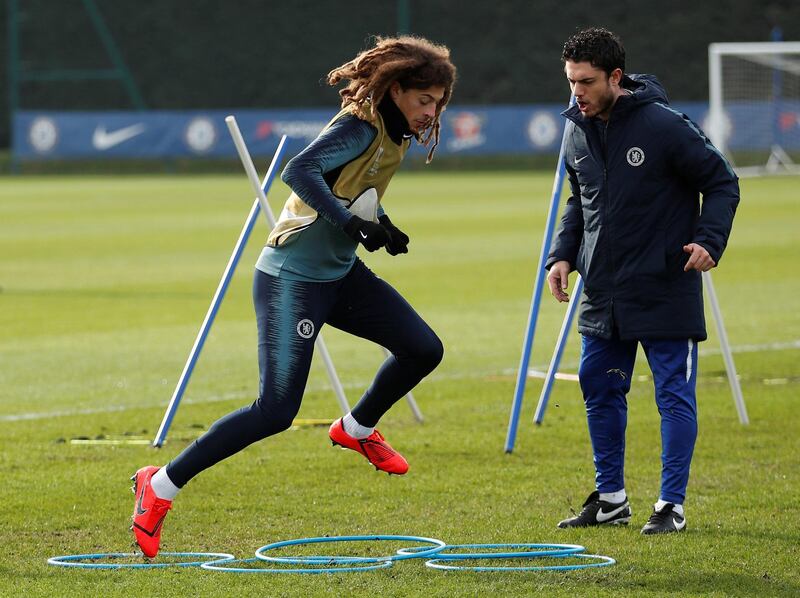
{"x":635,"y":156}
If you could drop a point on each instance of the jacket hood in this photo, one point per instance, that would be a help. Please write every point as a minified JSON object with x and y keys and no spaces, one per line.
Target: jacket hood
{"x":645,"y":89}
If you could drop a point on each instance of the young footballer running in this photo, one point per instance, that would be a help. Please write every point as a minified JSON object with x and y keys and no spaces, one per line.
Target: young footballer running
{"x":308,"y":274}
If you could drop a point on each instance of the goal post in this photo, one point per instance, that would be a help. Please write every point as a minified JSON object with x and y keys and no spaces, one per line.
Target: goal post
{"x":754,"y":105}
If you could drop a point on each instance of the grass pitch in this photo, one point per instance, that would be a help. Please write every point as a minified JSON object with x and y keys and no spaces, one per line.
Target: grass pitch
{"x":105,"y":281}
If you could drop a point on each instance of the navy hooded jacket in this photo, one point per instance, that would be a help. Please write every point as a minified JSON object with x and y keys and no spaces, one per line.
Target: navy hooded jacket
{"x":636,"y":182}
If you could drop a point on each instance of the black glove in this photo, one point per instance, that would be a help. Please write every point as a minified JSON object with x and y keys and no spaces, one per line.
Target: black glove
{"x":398,"y":240}
{"x":371,"y":235}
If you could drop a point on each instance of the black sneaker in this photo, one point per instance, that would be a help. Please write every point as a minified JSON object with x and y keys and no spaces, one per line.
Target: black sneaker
{"x":600,"y":512}
{"x":665,"y":521}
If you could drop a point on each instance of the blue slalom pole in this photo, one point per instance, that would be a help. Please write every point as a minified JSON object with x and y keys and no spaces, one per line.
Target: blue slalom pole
{"x":194,"y":354}
{"x":527,"y":345}
{"x":572,"y":308}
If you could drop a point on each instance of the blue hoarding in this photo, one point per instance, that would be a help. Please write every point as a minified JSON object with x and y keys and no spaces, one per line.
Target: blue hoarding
{"x":466,"y":130}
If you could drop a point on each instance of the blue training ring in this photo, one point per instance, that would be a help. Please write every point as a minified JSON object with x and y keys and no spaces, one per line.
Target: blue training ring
{"x":218,"y":566}
{"x":549,"y":550}
{"x":76,"y":560}
{"x":606,"y":561}
{"x":438,"y":545}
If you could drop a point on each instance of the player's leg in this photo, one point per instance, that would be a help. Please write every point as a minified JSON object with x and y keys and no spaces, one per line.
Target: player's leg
{"x":370,"y":308}
{"x":605,"y":378}
{"x":289,"y":315}
{"x":674,"y":367}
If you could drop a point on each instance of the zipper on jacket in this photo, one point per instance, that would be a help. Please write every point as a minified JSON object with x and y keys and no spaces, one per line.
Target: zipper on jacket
{"x":607,"y":219}
{"x":605,"y":150}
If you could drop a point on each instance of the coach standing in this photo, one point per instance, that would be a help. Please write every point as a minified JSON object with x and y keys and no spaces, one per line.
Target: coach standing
{"x":634,"y":230}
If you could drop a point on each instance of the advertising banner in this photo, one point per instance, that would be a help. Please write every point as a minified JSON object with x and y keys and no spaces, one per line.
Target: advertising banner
{"x":466,"y":130}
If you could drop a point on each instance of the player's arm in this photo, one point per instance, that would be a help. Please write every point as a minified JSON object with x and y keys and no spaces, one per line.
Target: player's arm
{"x":700,"y":163}
{"x":342,"y":142}
{"x":566,"y":242}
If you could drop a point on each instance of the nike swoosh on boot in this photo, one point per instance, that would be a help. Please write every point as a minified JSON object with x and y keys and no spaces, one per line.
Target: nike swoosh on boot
{"x":602,"y":516}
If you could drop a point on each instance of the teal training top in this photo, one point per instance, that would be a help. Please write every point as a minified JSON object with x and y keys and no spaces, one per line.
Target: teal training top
{"x":349,"y":156}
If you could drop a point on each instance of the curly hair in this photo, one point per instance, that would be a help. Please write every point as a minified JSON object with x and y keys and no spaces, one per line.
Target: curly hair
{"x":598,"y":46}
{"x":414,"y":62}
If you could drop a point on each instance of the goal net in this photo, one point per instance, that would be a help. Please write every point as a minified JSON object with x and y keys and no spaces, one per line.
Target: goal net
{"x":754,"y":105}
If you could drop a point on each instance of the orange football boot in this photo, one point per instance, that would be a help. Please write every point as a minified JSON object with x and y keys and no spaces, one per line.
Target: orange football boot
{"x":149,"y":512}
{"x":373,"y":447}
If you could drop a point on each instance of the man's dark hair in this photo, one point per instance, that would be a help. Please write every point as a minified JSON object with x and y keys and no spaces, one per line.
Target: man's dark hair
{"x":602,"y":48}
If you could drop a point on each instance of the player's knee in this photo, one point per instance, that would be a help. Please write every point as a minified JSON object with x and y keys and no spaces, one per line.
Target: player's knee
{"x":430,"y":353}
{"x":276,"y":415}
{"x":677,"y":409}
{"x":282,"y":422}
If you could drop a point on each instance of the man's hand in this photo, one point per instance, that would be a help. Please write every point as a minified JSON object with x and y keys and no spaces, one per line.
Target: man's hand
{"x":557,"y":280}
{"x":371,"y":235}
{"x":398,"y":240}
{"x":699,"y":259}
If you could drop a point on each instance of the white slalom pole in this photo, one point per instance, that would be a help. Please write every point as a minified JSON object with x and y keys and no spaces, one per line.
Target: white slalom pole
{"x":250,"y":169}
{"x":572,"y":308}
{"x":216,"y":301}
{"x":736,"y":389}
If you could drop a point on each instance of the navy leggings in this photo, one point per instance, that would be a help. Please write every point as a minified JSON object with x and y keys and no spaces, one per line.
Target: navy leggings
{"x":289,"y":315}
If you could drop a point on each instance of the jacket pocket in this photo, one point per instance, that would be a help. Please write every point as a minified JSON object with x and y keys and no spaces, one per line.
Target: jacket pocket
{"x":649,"y":260}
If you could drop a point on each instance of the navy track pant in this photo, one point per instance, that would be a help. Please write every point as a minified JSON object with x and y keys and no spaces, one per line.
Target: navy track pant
{"x":605,"y":378}
{"x":289,"y":315}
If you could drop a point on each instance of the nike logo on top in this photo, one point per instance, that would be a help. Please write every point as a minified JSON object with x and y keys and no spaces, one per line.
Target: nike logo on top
{"x":363,"y":236}
{"x":581,"y":159}
{"x":103,"y":140}
{"x":602,"y":516}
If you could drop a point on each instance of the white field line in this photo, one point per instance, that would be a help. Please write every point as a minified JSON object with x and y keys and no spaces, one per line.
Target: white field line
{"x":537,"y":372}
{"x":754,"y":348}
{"x":356,"y":385}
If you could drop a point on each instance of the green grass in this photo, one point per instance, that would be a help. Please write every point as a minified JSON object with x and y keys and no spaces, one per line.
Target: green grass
{"x":105,"y":281}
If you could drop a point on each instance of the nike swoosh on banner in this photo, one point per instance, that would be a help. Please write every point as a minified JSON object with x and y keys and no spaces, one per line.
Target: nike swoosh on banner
{"x":581,"y":159}
{"x":602,"y":516}
{"x":103,"y":140}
